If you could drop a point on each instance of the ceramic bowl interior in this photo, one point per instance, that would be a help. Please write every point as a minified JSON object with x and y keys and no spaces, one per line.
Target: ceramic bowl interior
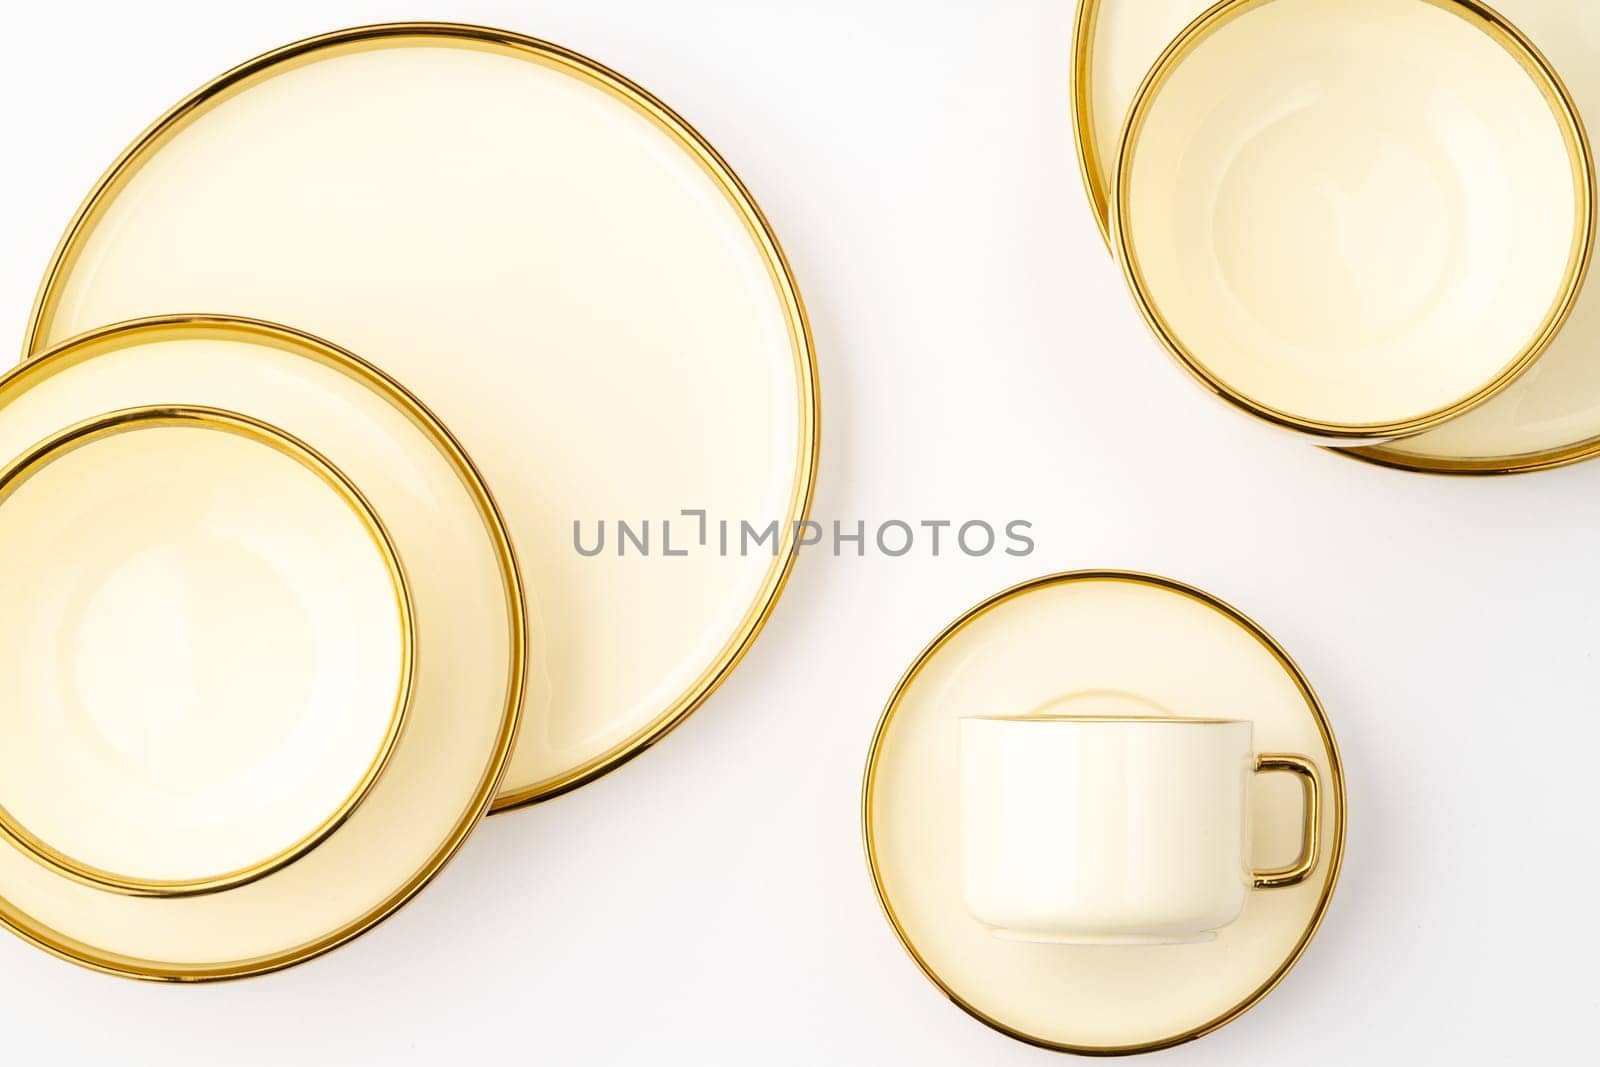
{"x":562,"y":269}
{"x":1356,"y":218}
{"x":468,"y":627}
{"x":206,"y":647}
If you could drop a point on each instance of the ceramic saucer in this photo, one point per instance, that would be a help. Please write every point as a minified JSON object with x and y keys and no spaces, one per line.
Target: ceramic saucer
{"x":1125,"y":644}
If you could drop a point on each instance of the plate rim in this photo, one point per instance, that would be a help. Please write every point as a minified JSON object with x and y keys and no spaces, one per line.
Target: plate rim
{"x":1091,"y":169}
{"x":73,"y":950}
{"x":1336,"y":789}
{"x":1563,"y":108}
{"x":801,"y":338}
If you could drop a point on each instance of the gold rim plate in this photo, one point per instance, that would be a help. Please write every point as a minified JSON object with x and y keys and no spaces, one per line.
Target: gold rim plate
{"x":1031,"y":646}
{"x":558,"y":264}
{"x":469,"y":636}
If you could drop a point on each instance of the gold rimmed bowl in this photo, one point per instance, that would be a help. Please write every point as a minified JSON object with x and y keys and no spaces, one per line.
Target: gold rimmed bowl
{"x":1353,"y":218}
{"x":1550,"y":416}
{"x":208,"y":645}
{"x":267,"y":650}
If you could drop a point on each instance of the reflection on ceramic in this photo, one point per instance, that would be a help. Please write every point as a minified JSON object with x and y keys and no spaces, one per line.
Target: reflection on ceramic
{"x":1114,"y":45}
{"x":1551,"y":415}
{"x":1355,"y":218}
{"x":469,"y":641}
{"x":207,"y":648}
{"x":1081,"y":633}
{"x":1113,"y":831}
{"x":555,"y":263}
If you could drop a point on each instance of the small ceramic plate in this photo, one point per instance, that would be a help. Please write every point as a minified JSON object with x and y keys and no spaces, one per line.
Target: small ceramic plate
{"x":1125,"y":644}
{"x":1354,"y":218}
{"x":103,"y":717}
{"x":557,"y":264}
{"x":208,"y":634}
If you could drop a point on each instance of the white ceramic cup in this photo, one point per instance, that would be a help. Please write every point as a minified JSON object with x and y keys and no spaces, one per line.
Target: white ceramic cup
{"x":1121,"y":831}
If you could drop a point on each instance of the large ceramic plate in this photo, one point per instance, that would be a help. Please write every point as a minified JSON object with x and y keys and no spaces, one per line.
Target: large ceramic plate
{"x":469,"y":647}
{"x":557,"y":264}
{"x":1135,"y":645}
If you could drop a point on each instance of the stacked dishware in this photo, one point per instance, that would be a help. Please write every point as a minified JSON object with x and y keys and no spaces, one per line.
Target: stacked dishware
{"x":1104,"y":812}
{"x":1367,"y":221}
{"x":335,"y":381}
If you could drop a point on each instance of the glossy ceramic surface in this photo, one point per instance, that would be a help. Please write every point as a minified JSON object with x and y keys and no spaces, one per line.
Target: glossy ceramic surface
{"x":207,"y":647}
{"x":1114,"y":45}
{"x":1551,"y":415}
{"x":556,"y":263}
{"x":1091,"y":831}
{"x":469,"y":641}
{"x":1354,"y":218}
{"x":1027,"y":648}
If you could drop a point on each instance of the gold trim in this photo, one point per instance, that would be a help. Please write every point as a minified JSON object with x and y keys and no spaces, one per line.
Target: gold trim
{"x":364,"y":38}
{"x":1580,"y":155}
{"x":1479,"y":467}
{"x":1335,"y":770}
{"x":97,"y":429}
{"x":1090,"y":166}
{"x":79,"y":349}
{"x":1311,"y":836}
{"x":1096,"y":185}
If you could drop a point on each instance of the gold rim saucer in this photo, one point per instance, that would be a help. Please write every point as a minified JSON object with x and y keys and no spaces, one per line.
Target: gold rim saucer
{"x":690,"y":352}
{"x":102,"y":428}
{"x":1354,"y":433}
{"x":470,"y":633}
{"x":1038,"y":645}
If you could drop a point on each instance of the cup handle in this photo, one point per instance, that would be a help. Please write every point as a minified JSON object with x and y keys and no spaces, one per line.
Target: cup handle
{"x":1300,"y":870}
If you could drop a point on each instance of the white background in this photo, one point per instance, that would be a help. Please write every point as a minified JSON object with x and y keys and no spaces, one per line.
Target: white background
{"x":709,"y":903}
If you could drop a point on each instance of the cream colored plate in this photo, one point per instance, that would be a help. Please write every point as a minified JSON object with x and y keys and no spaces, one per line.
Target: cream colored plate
{"x":207,"y":645}
{"x":557,"y":264}
{"x":1355,"y":218}
{"x":469,"y":642}
{"x":1547,"y":418}
{"x":1149,"y":643}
